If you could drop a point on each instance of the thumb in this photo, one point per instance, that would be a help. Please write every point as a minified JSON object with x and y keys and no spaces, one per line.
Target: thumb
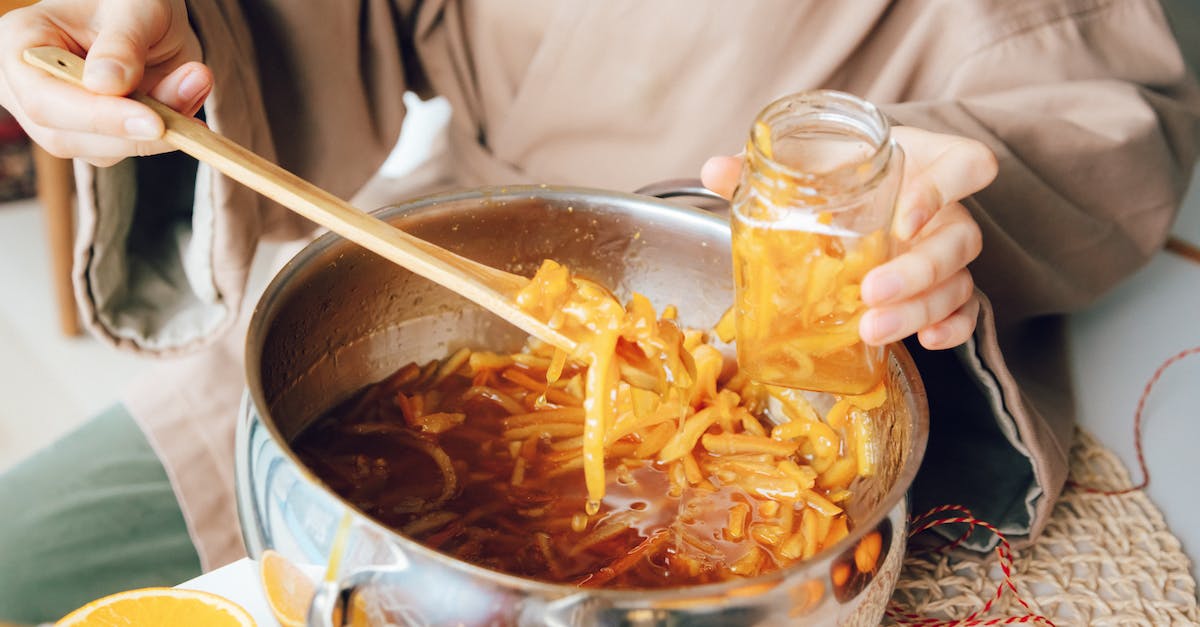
{"x":721,"y":174}
{"x":117,"y":58}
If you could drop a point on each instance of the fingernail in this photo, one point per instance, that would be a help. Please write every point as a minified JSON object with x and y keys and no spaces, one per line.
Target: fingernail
{"x":880,"y":325}
{"x":934,"y":338}
{"x":105,"y":74}
{"x":141,"y":127}
{"x":881,"y":287}
{"x":191,"y":87}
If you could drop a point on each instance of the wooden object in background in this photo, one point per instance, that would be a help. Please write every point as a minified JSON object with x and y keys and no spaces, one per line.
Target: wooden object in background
{"x":1183,"y":248}
{"x":9,"y":5}
{"x":56,"y":194}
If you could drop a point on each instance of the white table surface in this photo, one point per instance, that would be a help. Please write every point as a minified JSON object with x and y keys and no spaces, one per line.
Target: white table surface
{"x":1116,"y":346}
{"x":239,"y":583}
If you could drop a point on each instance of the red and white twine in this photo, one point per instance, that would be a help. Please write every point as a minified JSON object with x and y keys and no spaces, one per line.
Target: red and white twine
{"x":961,"y":515}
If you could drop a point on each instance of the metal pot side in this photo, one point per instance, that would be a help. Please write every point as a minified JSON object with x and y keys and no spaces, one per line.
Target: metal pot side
{"x":338,"y":317}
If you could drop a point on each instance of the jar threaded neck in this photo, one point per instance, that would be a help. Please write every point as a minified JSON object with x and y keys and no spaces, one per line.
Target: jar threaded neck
{"x":818,"y":145}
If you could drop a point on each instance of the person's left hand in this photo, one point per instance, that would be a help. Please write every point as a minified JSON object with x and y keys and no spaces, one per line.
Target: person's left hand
{"x":927,"y":289}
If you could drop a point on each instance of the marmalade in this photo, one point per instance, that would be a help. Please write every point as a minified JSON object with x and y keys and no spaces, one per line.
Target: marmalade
{"x":704,"y":475}
{"x":811,"y":216}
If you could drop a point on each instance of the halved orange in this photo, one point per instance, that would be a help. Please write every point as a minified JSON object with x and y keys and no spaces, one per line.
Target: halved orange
{"x":160,"y":606}
{"x":289,"y":591}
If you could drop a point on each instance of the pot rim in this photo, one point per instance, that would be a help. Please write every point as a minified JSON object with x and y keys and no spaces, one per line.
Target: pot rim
{"x":277,"y":288}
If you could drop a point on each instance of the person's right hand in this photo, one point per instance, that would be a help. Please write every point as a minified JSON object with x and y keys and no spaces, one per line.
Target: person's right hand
{"x":142,"y":45}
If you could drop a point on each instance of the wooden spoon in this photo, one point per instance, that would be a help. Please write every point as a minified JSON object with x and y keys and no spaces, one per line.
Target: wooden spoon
{"x":492,"y":289}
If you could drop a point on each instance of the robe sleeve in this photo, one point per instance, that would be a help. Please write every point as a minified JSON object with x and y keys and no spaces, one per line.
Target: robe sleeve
{"x":165,"y":247}
{"x":1095,"y":120}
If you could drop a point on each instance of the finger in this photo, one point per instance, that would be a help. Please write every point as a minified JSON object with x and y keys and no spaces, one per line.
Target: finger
{"x":884,"y":325}
{"x":721,"y":174}
{"x":954,"y":330}
{"x":949,"y":169}
{"x":48,"y":102}
{"x":54,"y":104}
{"x":185,"y":89}
{"x":117,"y":57}
{"x":20,"y":30}
{"x":105,"y":162}
{"x":949,"y":242}
{"x":177,"y":50}
{"x":90,"y":146}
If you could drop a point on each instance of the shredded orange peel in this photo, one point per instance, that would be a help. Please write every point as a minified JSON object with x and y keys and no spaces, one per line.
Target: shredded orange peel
{"x":644,"y":371}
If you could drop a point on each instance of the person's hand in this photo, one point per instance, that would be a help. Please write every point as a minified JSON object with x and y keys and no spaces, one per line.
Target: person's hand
{"x":927,"y":289}
{"x":143,"y":45}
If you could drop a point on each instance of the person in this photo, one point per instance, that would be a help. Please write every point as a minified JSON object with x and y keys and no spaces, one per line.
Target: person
{"x":1081,"y":110}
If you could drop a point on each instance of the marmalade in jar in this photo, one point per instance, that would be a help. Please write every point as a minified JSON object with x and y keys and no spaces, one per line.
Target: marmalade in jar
{"x":811,"y":217}
{"x":799,"y":304}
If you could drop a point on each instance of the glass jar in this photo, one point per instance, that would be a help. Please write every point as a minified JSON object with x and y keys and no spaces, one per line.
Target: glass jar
{"x":811,"y":216}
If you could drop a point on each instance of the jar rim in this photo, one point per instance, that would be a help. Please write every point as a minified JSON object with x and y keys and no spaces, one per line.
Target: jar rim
{"x":842,"y":112}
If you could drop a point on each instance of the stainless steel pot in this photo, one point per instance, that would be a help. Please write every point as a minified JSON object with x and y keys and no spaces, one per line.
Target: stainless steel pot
{"x":338,"y":317}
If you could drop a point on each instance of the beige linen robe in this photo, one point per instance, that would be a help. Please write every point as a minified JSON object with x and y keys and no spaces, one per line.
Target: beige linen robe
{"x":1087,"y":104}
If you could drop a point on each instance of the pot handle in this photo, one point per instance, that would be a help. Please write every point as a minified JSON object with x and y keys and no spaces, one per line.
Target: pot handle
{"x":685,"y":188}
{"x":400,"y":594}
{"x":327,"y":603}
{"x":333,"y":604}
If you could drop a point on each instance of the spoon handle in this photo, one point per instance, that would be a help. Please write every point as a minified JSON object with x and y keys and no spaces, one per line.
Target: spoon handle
{"x":490,"y":288}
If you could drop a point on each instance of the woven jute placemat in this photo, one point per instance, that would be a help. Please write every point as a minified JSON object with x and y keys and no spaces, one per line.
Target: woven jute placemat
{"x":1103,"y":560}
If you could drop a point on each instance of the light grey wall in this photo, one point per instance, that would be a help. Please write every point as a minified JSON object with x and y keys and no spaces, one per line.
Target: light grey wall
{"x":1185,"y":20}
